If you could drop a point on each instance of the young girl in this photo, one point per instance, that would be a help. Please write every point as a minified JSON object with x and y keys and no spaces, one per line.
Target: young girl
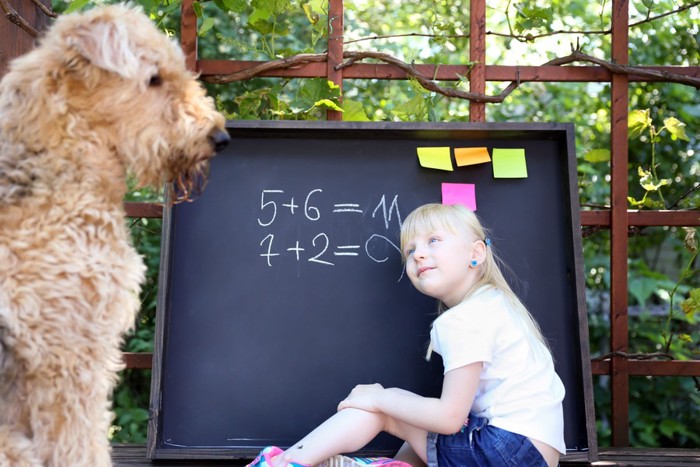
{"x":501,"y":401}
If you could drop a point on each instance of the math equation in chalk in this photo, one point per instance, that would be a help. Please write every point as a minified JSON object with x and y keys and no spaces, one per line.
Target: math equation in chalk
{"x":321,"y":248}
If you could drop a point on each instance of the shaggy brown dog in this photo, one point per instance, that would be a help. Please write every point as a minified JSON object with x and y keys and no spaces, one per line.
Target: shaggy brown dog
{"x":103,"y":95}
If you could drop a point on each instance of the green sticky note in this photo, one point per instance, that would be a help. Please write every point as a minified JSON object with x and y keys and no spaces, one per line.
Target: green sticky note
{"x":435,"y":158}
{"x":509,"y":163}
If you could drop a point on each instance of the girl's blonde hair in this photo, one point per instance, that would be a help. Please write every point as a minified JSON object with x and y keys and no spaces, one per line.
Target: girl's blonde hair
{"x":461,"y":221}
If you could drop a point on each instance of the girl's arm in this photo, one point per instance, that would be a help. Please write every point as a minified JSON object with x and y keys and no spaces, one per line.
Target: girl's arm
{"x":445,"y":415}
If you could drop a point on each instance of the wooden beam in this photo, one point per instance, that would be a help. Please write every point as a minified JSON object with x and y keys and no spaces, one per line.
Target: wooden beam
{"x":148,"y":210}
{"x":644,"y":218}
{"x":386,"y":71}
{"x":651,"y":367}
{"x":138,"y":360}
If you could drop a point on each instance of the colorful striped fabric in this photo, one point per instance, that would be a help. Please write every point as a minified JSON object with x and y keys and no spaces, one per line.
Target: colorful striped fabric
{"x":265,"y":457}
{"x":343,"y":461}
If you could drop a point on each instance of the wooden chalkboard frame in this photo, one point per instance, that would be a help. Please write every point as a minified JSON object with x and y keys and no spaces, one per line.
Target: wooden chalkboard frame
{"x":561,"y":133}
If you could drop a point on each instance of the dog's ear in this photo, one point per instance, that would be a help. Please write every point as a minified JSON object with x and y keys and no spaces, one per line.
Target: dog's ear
{"x":106,"y":44}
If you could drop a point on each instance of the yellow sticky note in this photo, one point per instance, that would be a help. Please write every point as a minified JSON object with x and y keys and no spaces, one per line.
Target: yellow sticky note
{"x":435,"y":158}
{"x":509,"y":163}
{"x":470,"y":156}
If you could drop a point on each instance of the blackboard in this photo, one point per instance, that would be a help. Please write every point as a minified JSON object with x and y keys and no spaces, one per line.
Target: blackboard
{"x":282,"y":286}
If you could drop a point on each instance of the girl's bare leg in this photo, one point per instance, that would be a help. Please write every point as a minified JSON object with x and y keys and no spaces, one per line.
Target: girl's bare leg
{"x":347,"y":431}
{"x":408,"y":455}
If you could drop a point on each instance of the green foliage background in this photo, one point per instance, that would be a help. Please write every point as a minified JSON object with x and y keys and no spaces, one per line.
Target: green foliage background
{"x":664,"y":157}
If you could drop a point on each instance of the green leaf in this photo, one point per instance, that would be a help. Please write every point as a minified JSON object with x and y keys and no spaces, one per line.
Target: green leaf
{"x":207,"y":24}
{"x":637,"y":122}
{"x":332,"y":86}
{"x":76,"y":5}
{"x":531,"y":16}
{"x":597,"y":155}
{"x":259,"y":14}
{"x":327,"y":103}
{"x":644,"y":176}
{"x":691,"y":305}
{"x":649,"y":184}
{"x":311,"y":15}
{"x":414,"y":110}
{"x":676,"y":128}
{"x":197,"y":7}
{"x":668,"y":427}
{"x":354,"y":112}
{"x":237,"y":6}
{"x":642,"y":288}
{"x":653,"y":204}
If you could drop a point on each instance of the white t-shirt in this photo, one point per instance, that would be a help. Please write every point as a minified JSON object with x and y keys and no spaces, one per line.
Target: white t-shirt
{"x":518,"y":391}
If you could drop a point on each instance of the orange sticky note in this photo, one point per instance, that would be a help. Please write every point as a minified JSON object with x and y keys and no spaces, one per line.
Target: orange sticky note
{"x":471,"y":156}
{"x":509,"y":163}
{"x":435,"y":158}
{"x":459,"y":193}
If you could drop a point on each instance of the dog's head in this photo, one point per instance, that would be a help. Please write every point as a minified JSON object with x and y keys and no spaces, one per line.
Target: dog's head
{"x":117,"y":88}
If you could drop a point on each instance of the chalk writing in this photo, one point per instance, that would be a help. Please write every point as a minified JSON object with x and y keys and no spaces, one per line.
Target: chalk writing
{"x":322,"y":249}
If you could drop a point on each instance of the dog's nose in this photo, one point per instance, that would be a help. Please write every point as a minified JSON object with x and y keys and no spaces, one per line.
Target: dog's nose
{"x":219,"y":139}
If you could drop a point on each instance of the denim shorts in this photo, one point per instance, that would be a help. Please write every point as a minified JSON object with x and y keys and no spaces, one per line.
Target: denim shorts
{"x":479,"y":444}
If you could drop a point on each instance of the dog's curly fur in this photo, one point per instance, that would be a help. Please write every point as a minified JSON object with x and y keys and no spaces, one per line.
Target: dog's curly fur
{"x":105,"y":94}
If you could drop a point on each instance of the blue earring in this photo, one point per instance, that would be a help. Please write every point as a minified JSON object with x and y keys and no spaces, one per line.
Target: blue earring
{"x":473,"y":263}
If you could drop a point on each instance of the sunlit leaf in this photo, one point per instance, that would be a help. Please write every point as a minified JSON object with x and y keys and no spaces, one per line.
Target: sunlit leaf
{"x":634,"y":203}
{"x":650,"y":185}
{"x":333,"y":86}
{"x":637,"y":122}
{"x":676,"y":128}
{"x":691,"y":305}
{"x":311,"y":15}
{"x":354,"y":112}
{"x":329,"y":104}
{"x":76,"y":5}
{"x":644,"y":175}
{"x":259,"y":14}
{"x":597,"y":155}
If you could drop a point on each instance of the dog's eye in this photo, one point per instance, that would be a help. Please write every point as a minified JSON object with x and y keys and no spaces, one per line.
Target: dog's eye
{"x":155,"y":81}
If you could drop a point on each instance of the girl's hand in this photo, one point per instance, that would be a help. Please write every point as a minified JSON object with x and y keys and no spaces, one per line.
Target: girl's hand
{"x":364,"y":397}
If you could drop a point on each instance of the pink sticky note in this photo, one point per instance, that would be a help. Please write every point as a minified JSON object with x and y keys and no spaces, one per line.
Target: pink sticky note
{"x":459,"y":193}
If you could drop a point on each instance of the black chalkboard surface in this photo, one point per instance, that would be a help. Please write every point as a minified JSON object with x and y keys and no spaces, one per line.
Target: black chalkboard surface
{"x":282,"y":286}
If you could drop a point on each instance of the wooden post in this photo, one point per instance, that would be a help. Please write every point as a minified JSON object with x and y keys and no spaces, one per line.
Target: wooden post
{"x":15,"y":41}
{"x":336,"y":27}
{"x":188,"y":35}
{"x":619,"y":325}
{"x":477,"y":53}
